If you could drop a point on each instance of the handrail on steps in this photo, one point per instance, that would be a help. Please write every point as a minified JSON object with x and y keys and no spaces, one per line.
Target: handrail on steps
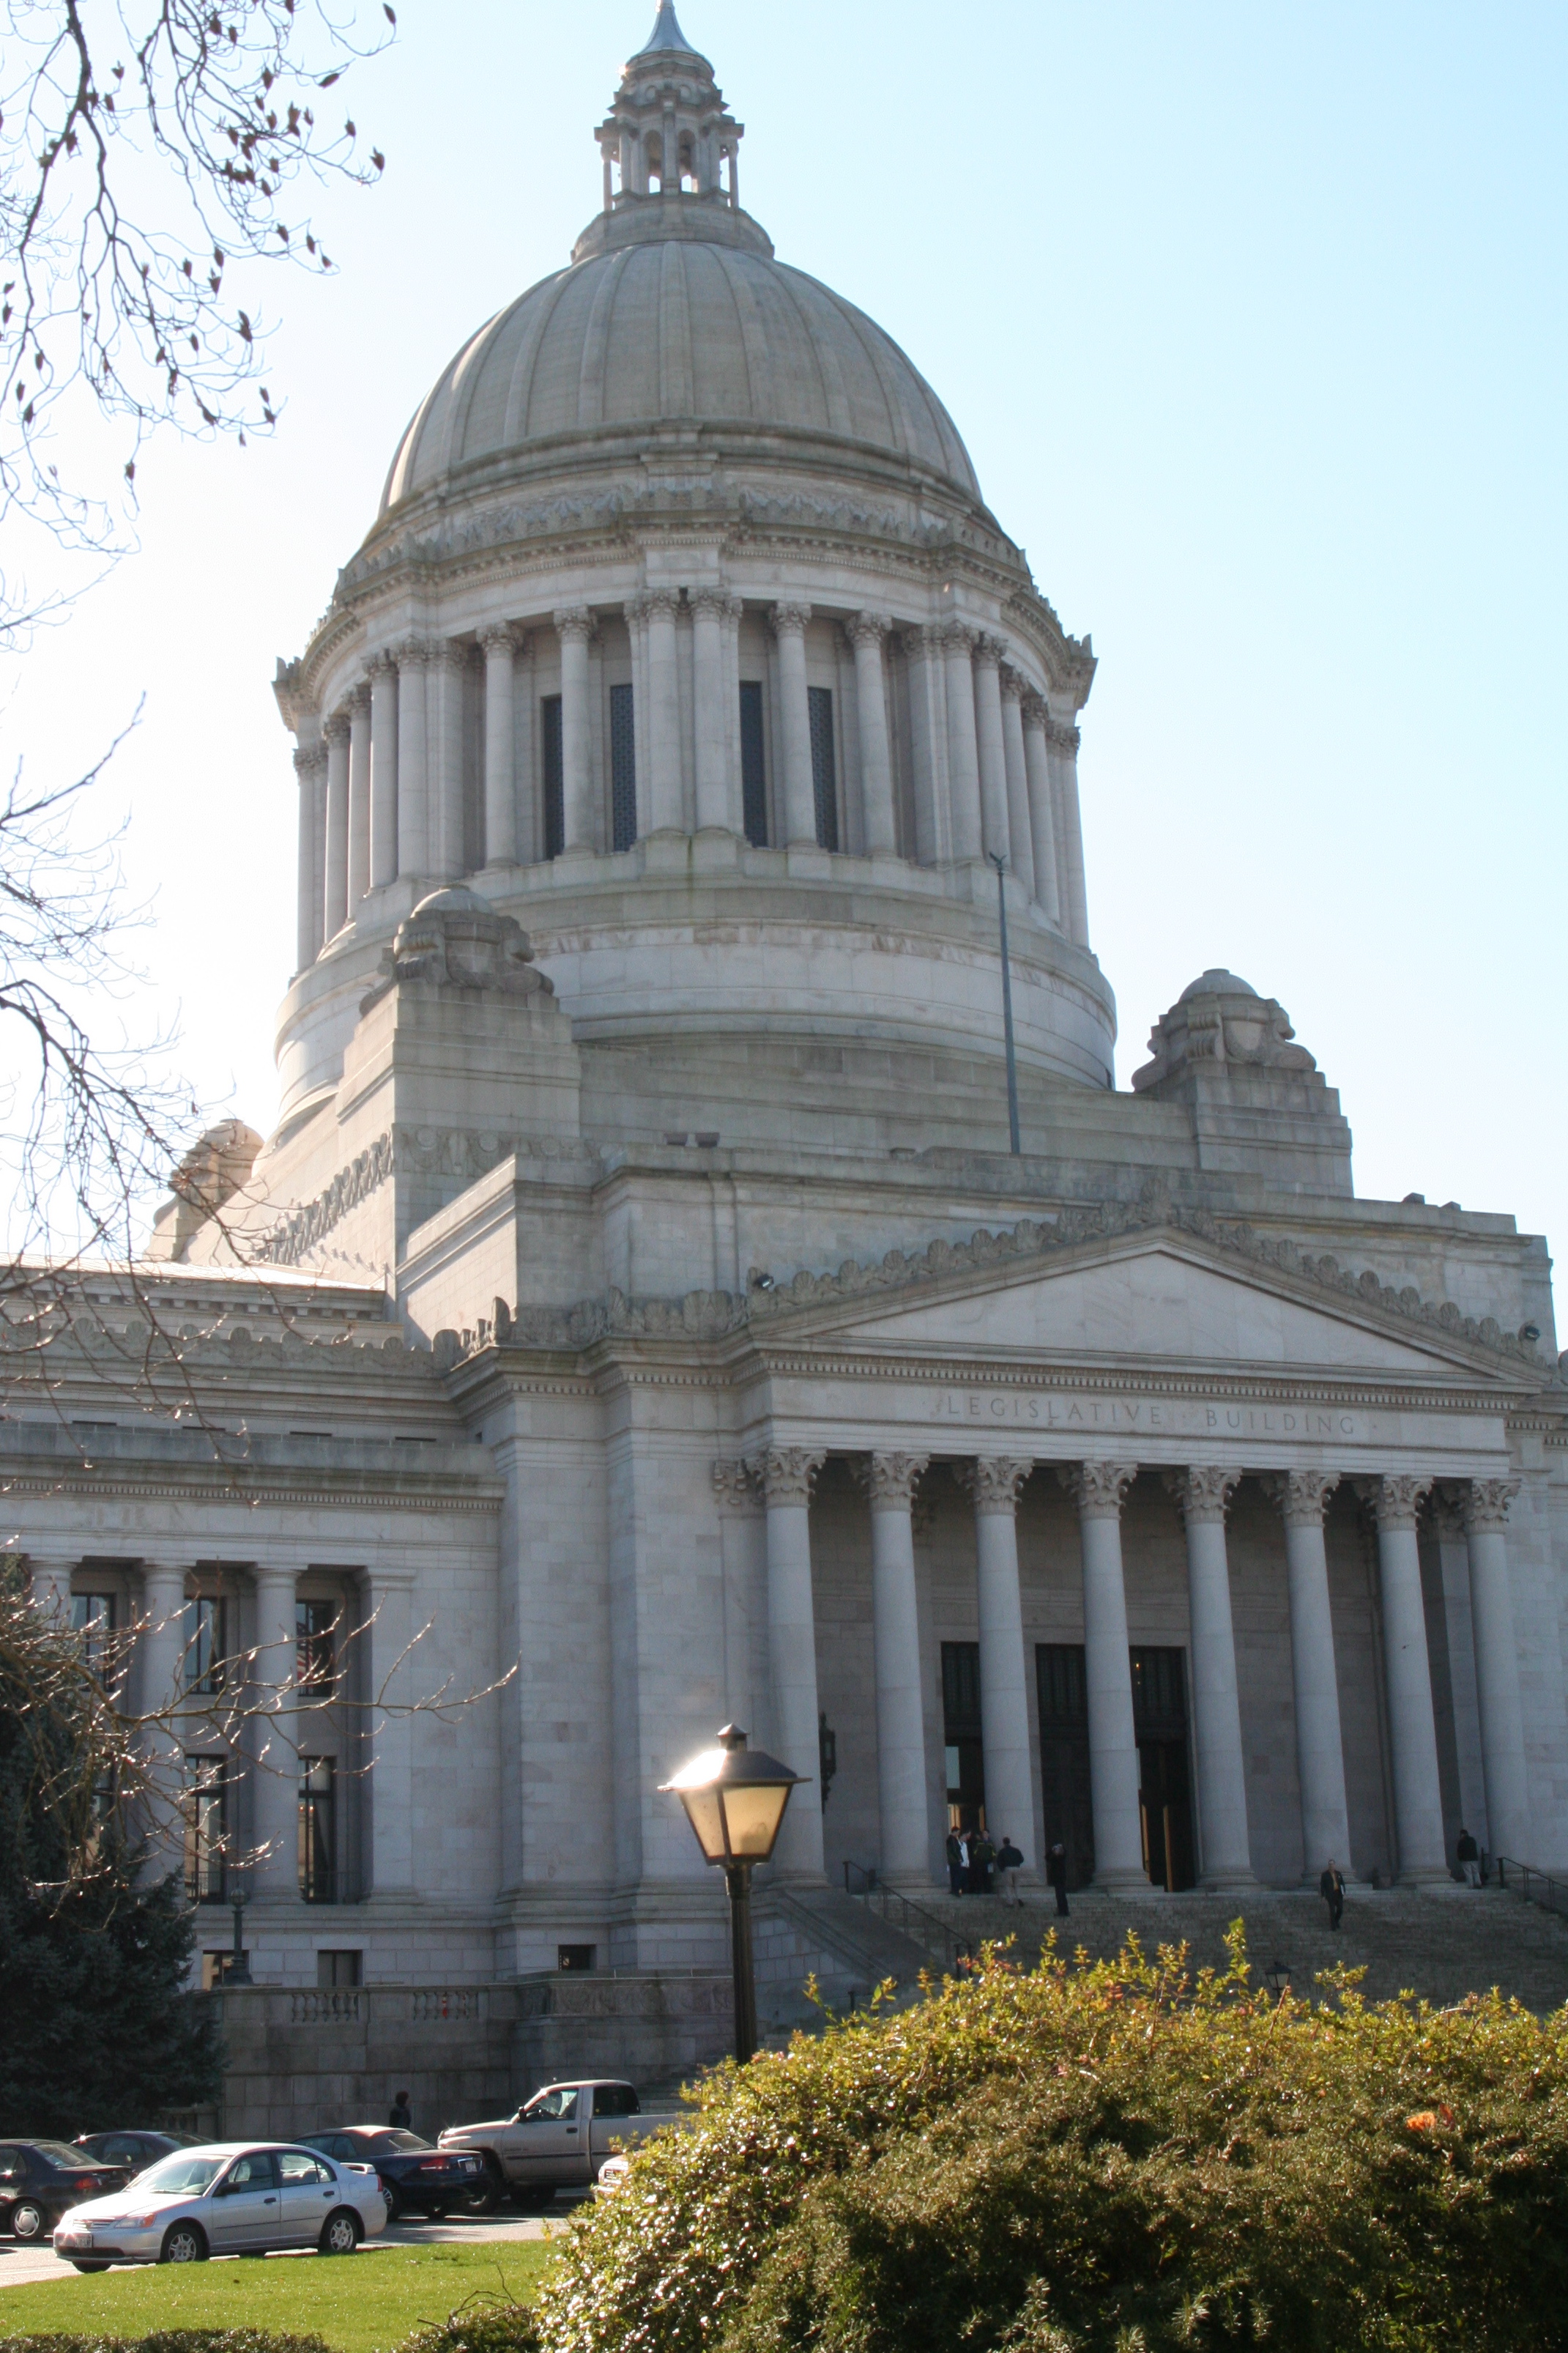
{"x":912,"y":1920}
{"x":1536,"y":1886}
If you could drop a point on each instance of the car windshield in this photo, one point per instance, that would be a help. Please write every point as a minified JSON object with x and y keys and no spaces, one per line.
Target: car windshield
{"x":396,"y":2140}
{"x":182,"y":2177}
{"x":58,"y":2154}
{"x":561,"y":2102}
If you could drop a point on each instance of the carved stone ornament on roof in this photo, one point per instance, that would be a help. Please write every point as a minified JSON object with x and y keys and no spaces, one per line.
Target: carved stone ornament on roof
{"x":1394,"y":1500}
{"x":1486,"y":1507}
{"x":455,"y":939}
{"x":735,"y":1485}
{"x":890,"y":1480}
{"x":1202,"y":1492}
{"x":1226,"y":1023}
{"x":788,"y":1474}
{"x":1300,"y":1495}
{"x":994,"y":1481}
{"x":1099,"y":1489}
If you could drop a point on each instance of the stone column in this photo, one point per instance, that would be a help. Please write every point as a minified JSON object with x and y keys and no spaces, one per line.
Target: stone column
{"x":1019,"y":830}
{"x":657,"y":612}
{"x":1100,"y":1490}
{"x":994,"y":1482}
{"x":921,"y":649}
{"x":890,"y":1480}
{"x":1320,"y":1750}
{"x":730,"y":621}
{"x":1064,"y":745}
{"x":709,"y":717}
{"x":335,"y":913}
{"x":867,"y":634}
{"x":1042,"y":820}
{"x":787,"y":1473}
{"x":389,"y":1637}
{"x":413,"y":759}
{"x":1508,"y":1816}
{"x":359,"y":797}
{"x":1203,"y":1493}
{"x":1447,"y":1511}
{"x":992,"y":747}
{"x":574,"y":628}
{"x":799,"y":787}
{"x":49,"y":1586}
{"x":310,"y":766}
{"x":445,"y":674}
{"x":500,"y":737}
{"x":1413,"y":1732}
{"x":275,"y":1758}
{"x":383,"y":770}
{"x":161,"y":1678}
{"x":963,"y":745}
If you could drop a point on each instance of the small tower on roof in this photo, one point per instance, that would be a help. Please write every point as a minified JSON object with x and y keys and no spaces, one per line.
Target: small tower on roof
{"x":669,"y":132}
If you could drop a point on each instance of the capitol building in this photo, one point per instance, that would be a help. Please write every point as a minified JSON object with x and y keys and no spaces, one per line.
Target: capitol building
{"x":641,"y":1315}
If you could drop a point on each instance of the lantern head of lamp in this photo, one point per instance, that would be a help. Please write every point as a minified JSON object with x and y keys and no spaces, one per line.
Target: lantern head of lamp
{"x":734,"y":1798}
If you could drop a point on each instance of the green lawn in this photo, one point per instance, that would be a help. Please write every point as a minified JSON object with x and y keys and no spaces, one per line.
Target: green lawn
{"x":363,"y":2302}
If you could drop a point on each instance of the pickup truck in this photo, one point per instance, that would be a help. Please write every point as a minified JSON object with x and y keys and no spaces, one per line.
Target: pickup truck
{"x":560,"y":2139}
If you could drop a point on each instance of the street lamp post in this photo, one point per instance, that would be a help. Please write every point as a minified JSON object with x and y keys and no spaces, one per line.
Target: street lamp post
{"x":734,"y":1798}
{"x":238,"y":1971}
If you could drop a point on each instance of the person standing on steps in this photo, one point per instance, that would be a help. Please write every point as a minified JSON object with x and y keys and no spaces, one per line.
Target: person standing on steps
{"x":402,"y":2114}
{"x":955,"y":1863}
{"x":1057,"y":1876}
{"x":1331,"y":1888}
{"x":981,"y":1855}
{"x":1009,"y":1864}
{"x":1469,"y":1856}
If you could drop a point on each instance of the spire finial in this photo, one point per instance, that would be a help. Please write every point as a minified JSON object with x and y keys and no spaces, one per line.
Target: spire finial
{"x":666,"y":33}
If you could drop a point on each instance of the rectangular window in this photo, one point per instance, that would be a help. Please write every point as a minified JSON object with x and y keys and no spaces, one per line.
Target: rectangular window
{"x":554,"y":775}
{"x":753,"y":765}
{"x":823,"y":766}
{"x":92,"y":1616}
{"x":205,"y":1644}
{"x":334,"y":1969}
{"x":623,"y":769}
{"x":317,"y":1831}
{"x":315,"y":1632}
{"x":206,"y":1829}
{"x":576,"y":1958}
{"x":964,"y":1754}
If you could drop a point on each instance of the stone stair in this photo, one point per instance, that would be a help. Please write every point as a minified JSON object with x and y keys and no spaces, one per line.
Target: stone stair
{"x":1441,"y":1943}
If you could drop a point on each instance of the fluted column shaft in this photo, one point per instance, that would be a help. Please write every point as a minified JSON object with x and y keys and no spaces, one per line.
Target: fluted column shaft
{"x":991,"y":746}
{"x":390,"y":1631}
{"x":867,"y":634}
{"x":994,"y":1482}
{"x":921,"y":649}
{"x":309,"y":764}
{"x":383,"y":771}
{"x":658,"y":612}
{"x":1319,"y":1746}
{"x":794,"y":711}
{"x":336,"y":731}
{"x":445,"y":675}
{"x":500,"y":736}
{"x":900,"y":1712}
{"x":1497,"y":1668}
{"x":1020,"y":831}
{"x":1064,"y":747}
{"x":1100,"y":1490}
{"x":1411,"y":1726}
{"x":275,"y":1764}
{"x":787,"y":1473}
{"x":962,"y":744}
{"x":1042,"y":817}
{"x":160,"y":1663}
{"x":359,"y":796}
{"x":710,"y":712}
{"x":1203,"y":1495}
{"x":413,"y":759}
{"x":574,"y":628}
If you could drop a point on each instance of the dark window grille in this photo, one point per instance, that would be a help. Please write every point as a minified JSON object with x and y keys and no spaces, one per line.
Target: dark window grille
{"x":315,"y":1632}
{"x":623,"y":768}
{"x":961,"y":1688}
{"x":1063,"y":1685}
{"x":317,"y":1831}
{"x":753,"y":765}
{"x":1063,"y":1689}
{"x":555,"y":777}
{"x":823,"y":767}
{"x":206,"y":1829}
{"x":1159,"y":1692}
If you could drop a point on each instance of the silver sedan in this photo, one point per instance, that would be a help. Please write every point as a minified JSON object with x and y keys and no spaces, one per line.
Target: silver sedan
{"x":227,"y":2198}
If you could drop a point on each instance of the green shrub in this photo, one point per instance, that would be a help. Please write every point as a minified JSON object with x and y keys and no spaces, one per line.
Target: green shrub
{"x":172,"y":2340}
{"x":479,"y":2326}
{"x":1113,"y":2157}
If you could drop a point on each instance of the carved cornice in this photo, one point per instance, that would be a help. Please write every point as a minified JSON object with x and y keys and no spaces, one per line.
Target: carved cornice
{"x":1394,"y":1500}
{"x":1202,"y":1492}
{"x":292,"y":1240}
{"x":994,"y":1481}
{"x":1486,"y":1506}
{"x":787,"y":1475}
{"x":890,"y":1480}
{"x":735,"y":1485}
{"x":1099,"y":1489}
{"x":1302,"y":1495}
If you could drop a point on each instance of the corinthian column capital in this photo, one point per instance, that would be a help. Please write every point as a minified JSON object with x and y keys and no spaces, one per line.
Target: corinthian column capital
{"x":1486,"y":1506}
{"x":501,"y":637}
{"x":1302,"y":1495}
{"x":1037,"y":712}
{"x":574,"y":622}
{"x":788,"y":1474}
{"x":867,"y":629}
{"x":1202,"y":1492}
{"x":713,"y":602}
{"x":1015,"y":685}
{"x":989,"y":650}
{"x":335,"y":727}
{"x":958,"y":638}
{"x":1395,"y":1499}
{"x":994,"y":1480}
{"x":789,"y":621}
{"x":735,"y":1486}
{"x":1099,"y":1489}
{"x":890,"y":1480}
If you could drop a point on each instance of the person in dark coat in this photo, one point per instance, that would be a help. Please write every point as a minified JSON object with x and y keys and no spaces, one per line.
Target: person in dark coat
{"x":1057,"y":1875}
{"x":1469,"y":1856}
{"x":402,"y":2114}
{"x":1009,"y":1864}
{"x":955,"y":1862}
{"x":1331,"y":1888}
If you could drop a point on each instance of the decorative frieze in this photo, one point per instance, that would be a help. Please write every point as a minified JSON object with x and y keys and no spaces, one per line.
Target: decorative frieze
{"x":296,"y":1237}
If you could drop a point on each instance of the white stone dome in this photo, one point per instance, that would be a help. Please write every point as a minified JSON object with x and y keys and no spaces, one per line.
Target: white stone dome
{"x":704,"y":329}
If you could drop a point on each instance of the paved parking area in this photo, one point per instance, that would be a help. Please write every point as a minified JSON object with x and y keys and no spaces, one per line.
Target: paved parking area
{"x":25,"y":2266}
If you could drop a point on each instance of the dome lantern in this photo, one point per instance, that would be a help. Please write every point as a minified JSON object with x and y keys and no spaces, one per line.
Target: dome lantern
{"x":669,"y":132}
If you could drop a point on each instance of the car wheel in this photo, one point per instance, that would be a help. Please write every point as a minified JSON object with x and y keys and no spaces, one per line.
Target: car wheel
{"x":396,"y":2208}
{"x":87,"y":2267}
{"x":486,"y":2194}
{"x":27,"y":2219}
{"x":340,"y":2234}
{"x":184,"y":2243}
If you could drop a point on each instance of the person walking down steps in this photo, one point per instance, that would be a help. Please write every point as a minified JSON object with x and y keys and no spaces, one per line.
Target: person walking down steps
{"x":1331,"y":1888}
{"x":1469,"y":1856}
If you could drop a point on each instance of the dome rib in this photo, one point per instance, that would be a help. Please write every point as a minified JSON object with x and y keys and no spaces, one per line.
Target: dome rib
{"x":835,"y":398}
{"x":595,"y":349}
{"x":677,"y":394}
{"x":543,"y":299}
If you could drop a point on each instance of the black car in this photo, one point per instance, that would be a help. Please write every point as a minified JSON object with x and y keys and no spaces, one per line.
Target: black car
{"x":42,"y":2180}
{"x":135,"y":2150}
{"x":415,"y":2176}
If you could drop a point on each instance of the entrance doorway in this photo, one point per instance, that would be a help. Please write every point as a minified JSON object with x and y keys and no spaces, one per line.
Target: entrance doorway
{"x":1069,"y":1813}
{"x":1164,"y":1801}
{"x":960,"y":1736}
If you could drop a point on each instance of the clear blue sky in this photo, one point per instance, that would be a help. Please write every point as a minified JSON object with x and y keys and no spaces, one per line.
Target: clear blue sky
{"x":1253,"y":319}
